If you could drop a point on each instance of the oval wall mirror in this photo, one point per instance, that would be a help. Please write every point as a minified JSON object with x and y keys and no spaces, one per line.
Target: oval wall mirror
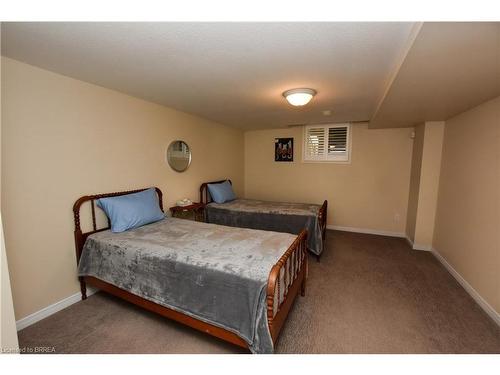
{"x":179,"y":156}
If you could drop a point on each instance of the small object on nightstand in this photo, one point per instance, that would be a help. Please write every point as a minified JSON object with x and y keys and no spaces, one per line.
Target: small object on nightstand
{"x":184,"y":202}
{"x":194,"y":211}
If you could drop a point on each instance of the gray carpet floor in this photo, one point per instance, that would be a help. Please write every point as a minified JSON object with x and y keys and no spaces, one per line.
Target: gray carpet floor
{"x":369,"y":294}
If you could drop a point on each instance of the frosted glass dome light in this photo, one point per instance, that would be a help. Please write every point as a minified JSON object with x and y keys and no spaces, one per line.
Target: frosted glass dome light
{"x":299,"y":97}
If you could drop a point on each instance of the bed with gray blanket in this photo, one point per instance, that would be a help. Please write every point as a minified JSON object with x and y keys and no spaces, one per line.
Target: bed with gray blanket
{"x":239,"y":280}
{"x":266,"y":215}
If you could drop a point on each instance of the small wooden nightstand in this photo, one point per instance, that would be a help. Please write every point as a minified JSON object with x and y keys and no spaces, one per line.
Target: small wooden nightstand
{"x":195,"y":211}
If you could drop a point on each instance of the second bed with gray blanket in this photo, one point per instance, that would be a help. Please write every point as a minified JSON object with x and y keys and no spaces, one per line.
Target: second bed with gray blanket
{"x":273,"y":216}
{"x":213,"y":273}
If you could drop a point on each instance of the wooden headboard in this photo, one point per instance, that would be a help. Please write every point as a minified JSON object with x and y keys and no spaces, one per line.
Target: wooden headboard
{"x":205,"y":196}
{"x":80,"y":237}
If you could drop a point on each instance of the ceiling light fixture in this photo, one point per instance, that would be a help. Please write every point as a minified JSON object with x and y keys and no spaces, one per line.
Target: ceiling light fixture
{"x":299,"y":97}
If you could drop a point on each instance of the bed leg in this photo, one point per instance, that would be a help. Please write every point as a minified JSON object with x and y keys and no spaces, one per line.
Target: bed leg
{"x":83,"y":288}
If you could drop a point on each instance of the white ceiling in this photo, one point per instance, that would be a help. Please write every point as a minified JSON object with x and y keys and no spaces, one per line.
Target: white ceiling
{"x":450,"y":68}
{"x":232,"y":73}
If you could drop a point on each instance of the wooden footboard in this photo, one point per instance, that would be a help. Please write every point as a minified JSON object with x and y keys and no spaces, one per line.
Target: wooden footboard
{"x":287,"y":277}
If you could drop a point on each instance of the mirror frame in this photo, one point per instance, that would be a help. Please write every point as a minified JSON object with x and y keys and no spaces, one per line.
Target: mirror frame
{"x":167,"y":158}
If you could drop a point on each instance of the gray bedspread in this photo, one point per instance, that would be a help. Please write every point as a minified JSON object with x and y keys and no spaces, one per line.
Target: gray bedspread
{"x":274,"y":216}
{"x":214,"y":273}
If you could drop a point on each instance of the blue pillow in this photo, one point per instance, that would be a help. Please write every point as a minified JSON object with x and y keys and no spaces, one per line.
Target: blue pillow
{"x":132,"y":210}
{"x":222,"y":192}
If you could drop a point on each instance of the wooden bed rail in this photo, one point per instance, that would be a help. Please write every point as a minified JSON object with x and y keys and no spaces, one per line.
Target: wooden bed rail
{"x":80,"y":236}
{"x":286,"y":277}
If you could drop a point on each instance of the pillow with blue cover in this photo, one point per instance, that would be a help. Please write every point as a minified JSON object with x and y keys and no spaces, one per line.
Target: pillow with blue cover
{"x":132,"y":210}
{"x":222,"y":192}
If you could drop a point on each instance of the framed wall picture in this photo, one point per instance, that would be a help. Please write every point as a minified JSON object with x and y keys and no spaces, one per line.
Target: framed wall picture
{"x":283,"y":149}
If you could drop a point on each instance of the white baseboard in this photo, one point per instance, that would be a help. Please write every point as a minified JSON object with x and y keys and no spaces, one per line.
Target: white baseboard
{"x":468,"y":288}
{"x":416,"y":246}
{"x":367,"y":231}
{"x":52,"y":309}
{"x":410,"y":242}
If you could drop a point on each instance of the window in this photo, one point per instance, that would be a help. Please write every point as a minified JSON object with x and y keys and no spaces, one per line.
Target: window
{"x":325,"y":143}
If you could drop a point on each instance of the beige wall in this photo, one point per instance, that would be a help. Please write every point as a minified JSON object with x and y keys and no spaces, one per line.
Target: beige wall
{"x":8,"y":334}
{"x":416,"y":165}
{"x":429,"y":185}
{"x":63,"y":138}
{"x":424,"y":183}
{"x":369,"y":193}
{"x":467,"y":230}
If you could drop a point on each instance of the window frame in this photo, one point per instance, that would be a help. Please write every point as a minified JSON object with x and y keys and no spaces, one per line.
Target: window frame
{"x":340,"y":159}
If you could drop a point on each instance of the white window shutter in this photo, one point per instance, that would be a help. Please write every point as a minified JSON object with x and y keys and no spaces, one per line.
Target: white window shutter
{"x":315,"y":143}
{"x":337,"y":140}
{"x":327,"y":143}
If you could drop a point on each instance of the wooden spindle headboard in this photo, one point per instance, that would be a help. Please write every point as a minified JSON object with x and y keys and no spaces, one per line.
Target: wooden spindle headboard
{"x":80,"y":236}
{"x":205,"y":196}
